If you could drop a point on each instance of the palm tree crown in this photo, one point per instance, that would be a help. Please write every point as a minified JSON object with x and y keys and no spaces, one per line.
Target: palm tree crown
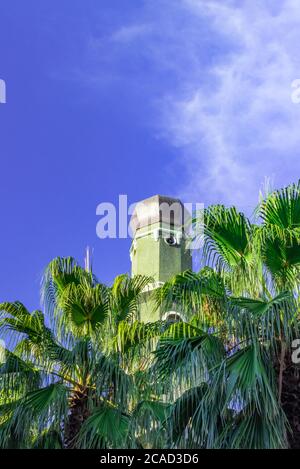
{"x":85,"y":373}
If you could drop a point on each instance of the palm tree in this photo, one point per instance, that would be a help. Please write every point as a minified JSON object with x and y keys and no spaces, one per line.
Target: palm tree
{"x":232,"y":360}
{"x":85,"y":373}
{"x":61,"y":376}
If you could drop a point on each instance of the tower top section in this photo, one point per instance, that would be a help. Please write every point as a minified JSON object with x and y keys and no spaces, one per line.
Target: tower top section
{"x":159,"y":209}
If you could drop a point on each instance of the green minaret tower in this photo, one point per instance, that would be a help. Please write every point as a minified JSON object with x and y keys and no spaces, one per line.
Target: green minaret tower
{"x":159,"y":246}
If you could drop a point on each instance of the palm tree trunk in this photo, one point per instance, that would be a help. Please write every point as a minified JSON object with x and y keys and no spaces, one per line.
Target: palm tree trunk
{"x":78,"y":414}
{"x":290,"y":400}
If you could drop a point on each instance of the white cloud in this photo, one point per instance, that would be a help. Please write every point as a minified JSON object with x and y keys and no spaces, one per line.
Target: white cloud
{"x":245,"y":127}
{"x":224,"y":99}
{"x":126,"y":34}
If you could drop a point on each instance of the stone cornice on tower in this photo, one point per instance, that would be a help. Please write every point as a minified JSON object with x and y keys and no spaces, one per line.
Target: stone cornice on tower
{"x":158,"y":209}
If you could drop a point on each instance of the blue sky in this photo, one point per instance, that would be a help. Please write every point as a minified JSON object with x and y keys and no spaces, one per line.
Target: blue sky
{"x":190,"y":98}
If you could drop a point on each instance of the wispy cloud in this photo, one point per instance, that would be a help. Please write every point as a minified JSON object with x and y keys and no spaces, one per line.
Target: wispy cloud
{"x":224,"y":97}
{"x":131,"y":32}
{"x":245,"y":127}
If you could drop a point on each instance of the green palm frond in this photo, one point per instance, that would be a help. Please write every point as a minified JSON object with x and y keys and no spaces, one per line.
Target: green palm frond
{"x":107,"y":427}
{"x":48,"y":439}
{"x":84,"y":306}
{"x":282,"y":261}
{"x":17,"y":376}
{"x":126,"y":294}
{"x":148,"y":423}
{"x":60,"y":273}
{"x":63,"y":281}
{"x":279,"y":235}
{"x":249,"y":378}
{"x":192,"y":293}
{"x":267,"y":319}
{"x":182,"y":412}
{"x":254,"y":430}
{"x":40,"y":407}
{"x":157,"y":409}
{"x":132,"y":336}
{"x":183,"y":345}
{"x":280,"y":212}
{"x":227,"y":237}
